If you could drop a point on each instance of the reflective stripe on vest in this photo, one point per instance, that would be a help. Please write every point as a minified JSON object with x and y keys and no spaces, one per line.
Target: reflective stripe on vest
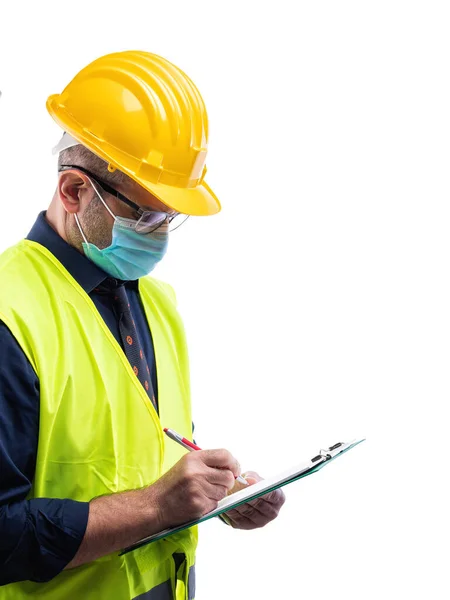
{"x":164,"y":590}
{"x":160,"y":592}
{"x":191,"y":583}
{"x":99,"y":432}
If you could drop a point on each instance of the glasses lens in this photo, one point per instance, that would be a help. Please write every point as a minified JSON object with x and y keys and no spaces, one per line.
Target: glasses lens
{"x":150,"y":221}
{"x":178,"y":220}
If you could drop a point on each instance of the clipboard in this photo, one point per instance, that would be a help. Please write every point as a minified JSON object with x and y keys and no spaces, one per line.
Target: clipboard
{"x":317,"y":462}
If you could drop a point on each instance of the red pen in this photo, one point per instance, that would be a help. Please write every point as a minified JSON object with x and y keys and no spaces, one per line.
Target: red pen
{"x":176,"y":437}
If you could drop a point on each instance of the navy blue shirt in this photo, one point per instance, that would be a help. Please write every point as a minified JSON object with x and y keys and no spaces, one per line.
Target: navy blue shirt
{"x":39,"y":537}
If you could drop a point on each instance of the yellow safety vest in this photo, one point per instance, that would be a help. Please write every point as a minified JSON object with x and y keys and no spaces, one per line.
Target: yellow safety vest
{"x":99,"y":432}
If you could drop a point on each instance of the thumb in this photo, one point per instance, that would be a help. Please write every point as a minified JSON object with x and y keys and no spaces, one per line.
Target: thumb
{"x":251,"y":480}
{"x":251,"y":477}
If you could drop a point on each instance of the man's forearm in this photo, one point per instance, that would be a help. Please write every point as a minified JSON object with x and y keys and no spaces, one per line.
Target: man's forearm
{"x":115,"y":522}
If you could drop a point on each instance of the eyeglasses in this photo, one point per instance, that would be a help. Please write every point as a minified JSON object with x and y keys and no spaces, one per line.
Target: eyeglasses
{"x":149,"y":220}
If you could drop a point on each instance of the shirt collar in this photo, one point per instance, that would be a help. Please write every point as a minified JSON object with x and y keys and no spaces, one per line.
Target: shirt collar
{"x":83,"y":270}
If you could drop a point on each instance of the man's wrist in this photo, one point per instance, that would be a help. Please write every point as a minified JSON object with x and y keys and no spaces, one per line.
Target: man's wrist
{"x":153,"y":510}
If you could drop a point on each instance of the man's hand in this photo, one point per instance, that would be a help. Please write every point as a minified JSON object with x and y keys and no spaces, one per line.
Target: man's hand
{"x":193,"y":486}
{"x":255,"y":513}
{"x":190,"y":489}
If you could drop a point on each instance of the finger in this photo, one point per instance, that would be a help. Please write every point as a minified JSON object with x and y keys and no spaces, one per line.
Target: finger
{"x":267,"y":511}
{"x":252,"y":475}
{"x":220,"y":459}
{"x":222,"y":477}
{"x":243,"y":522}
{"x":246,"y":513}
{"x":264,"y":506}
{"x":215,"y":492}
{"x":250,"y":480}
{"x":276,"y":498}
{"x":237,"y":486}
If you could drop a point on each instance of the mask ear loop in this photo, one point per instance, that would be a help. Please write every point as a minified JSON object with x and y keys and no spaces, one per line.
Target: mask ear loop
{"x":101,"y":199}
{"x":104,"y":204}
{"x":81,"y":231}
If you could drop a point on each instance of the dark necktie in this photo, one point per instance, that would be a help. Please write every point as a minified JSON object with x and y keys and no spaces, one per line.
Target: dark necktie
{"x":129,"y":336}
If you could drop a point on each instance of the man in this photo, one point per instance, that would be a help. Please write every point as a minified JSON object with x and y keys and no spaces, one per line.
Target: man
{"x":93,"y":361}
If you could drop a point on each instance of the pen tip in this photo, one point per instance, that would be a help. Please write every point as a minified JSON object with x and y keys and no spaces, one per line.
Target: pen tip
{"x":165,"y":429}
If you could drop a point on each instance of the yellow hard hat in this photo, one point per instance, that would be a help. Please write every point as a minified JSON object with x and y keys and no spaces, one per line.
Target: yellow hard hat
{"x":145,"y":117}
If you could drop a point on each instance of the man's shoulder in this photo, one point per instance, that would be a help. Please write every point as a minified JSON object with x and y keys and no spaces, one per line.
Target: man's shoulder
{"x":10,"y":254}
{"x":24,"y":253}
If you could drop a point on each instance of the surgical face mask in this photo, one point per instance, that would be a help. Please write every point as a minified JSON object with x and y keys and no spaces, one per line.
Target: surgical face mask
{"x":131,"y":255}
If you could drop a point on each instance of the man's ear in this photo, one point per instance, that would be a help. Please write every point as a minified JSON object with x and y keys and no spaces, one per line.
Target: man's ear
{"x":73,"y":188}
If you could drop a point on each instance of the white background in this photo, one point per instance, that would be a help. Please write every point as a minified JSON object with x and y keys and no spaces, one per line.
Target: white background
{"x":317,"y":302}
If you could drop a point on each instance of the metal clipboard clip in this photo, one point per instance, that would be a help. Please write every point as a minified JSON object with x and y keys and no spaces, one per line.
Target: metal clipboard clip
{"x":326,"y":453}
